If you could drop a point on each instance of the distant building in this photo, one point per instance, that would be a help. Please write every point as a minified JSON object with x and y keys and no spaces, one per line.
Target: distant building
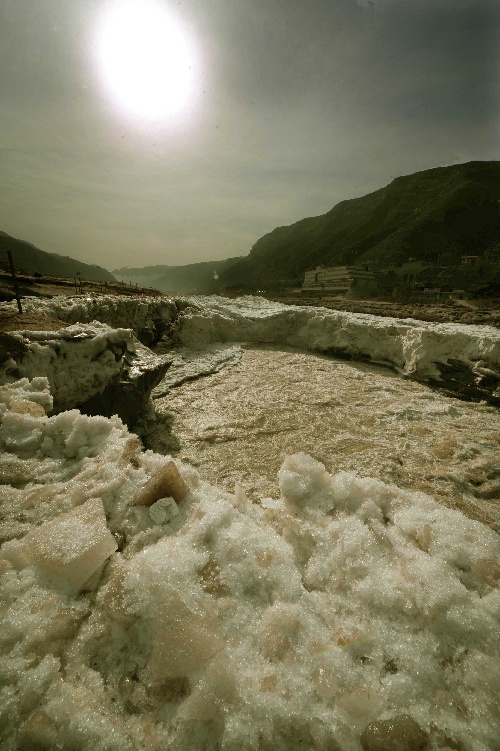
{"x":471,"y":260}
{"x":336,"y":279}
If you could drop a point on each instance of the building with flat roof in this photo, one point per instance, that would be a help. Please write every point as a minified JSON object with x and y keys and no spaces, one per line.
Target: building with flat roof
{"x":336,"y":279}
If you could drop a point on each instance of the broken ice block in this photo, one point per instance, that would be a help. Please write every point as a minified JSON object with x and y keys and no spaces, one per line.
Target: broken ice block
{"x":163,"y":510}
{"x":277,"y":628}
{"x":166,"y":483}
{"x":14,"y":554}
{"x":38,"y":732}
{"x":71,"y":547}
{"x":183,"y":641}
{"x":27,"y":408}
{"x":217,"y":688}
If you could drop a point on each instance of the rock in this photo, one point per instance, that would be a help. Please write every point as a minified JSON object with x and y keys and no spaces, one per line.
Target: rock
{"x":400,"y":733}
{"x":467,"y":382}
{"x":11,"y":347}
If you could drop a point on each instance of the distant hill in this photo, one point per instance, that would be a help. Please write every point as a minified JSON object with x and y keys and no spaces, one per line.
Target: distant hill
{"x":436,"y":213}
{"x":193,"y":277}
{"x":33,"y":260}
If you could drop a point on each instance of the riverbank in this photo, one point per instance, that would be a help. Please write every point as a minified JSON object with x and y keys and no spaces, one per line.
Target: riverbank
{"x":472,"y":312}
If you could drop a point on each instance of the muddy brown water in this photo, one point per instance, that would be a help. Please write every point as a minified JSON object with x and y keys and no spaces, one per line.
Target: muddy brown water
{"x":237,"y":426}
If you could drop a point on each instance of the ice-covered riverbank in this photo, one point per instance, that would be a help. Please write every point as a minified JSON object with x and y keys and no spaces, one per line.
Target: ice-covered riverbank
{"x":464,"y":360}
{"x":344,"y":614}
{"x":143,"y":607}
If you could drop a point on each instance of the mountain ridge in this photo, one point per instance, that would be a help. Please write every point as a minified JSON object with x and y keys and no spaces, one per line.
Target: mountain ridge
{"x":31,"y":259}
{"x":423,"y":215}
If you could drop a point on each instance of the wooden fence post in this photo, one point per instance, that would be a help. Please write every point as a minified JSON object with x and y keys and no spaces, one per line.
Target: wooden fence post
{"x":14,"y":281}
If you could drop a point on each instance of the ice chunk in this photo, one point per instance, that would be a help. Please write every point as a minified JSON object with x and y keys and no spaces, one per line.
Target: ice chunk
{"x":166,"y":483}
{"x":183,"y":641}
{"x":270,"y":626}
{"x":303,"y":480}
{"x":163,"y":510}
{"x":71,"y":547}
{"x":359,"y":705}
{"x":78,"y":361}
{"x":488,"y":570}
{"x":277,"y":629}
{"x":35,"y":392}
{"x":112,"y":595}
{"x":14,"y":553}
{"x":216,"y":690}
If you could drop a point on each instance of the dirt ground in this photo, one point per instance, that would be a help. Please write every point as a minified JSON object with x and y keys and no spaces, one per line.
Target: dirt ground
{"x":48,"y":286}
{"x":486,"y":312}
{"x":13,"y":321}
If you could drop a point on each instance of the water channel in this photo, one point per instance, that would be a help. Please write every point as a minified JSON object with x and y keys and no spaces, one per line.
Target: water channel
{"x":236,"y":426}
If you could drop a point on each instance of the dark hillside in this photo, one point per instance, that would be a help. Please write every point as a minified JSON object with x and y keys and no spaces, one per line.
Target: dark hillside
{"x":448,"y":210}
{"x":33,"y":260}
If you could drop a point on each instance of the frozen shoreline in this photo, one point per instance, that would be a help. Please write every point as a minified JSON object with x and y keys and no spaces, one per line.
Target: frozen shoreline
{"x":324,"y":616}
{"x":329,"y":615}
{"x":461,"y":359}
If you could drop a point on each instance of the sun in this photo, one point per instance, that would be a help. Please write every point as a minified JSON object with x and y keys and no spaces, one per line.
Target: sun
{"x":146,"y":58}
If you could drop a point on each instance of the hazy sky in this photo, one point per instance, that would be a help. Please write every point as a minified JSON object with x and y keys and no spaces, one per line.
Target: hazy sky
{"x":294,"y":105}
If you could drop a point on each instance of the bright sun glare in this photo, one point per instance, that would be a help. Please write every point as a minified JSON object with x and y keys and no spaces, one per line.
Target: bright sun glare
{"x":146,"y":58}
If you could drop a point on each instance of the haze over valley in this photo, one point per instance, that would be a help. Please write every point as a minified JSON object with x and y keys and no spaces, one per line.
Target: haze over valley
{"x":282,"y":110}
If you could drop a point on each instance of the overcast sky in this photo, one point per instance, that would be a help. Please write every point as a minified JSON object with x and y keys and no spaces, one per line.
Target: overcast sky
{"x":294,"y":106}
